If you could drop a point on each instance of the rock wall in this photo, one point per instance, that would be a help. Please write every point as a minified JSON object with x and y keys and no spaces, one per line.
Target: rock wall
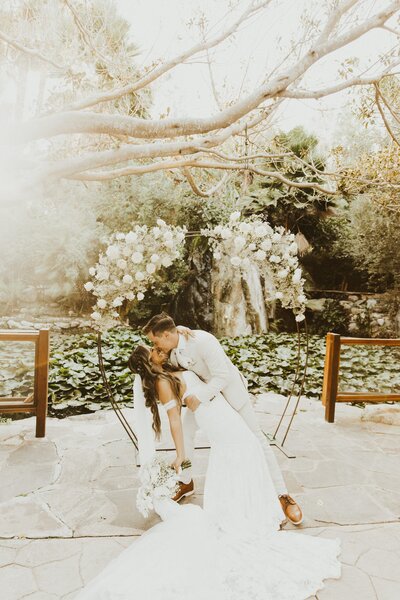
{"x":375,"y":316}
{"x":49,"y":316}
{"x":370,"y":315}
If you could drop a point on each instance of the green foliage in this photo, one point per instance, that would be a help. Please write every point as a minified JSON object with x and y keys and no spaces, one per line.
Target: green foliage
{"x":75,"y":380}
{"x":298,"y":141}
{"x":143,"y":200}
{"x":321,"y":219}
{"x":333,"y":317}
{"x":123,"y":202}
{"x":49,"y":238}
{"x":363,"y":324}
{"x":280,"y":204}
{"x":355,"y":138}
{"x":366,"y":108}
{"x":160,"y":295}
{"x":267,"y":361}
{"x":373,"y":241}
{"x":329,"y":264}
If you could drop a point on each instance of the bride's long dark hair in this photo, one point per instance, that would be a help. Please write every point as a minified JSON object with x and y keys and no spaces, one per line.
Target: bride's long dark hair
{"x":139,"y":362}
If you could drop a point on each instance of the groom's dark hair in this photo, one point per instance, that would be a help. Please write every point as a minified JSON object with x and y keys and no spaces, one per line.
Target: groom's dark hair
{"x":158,"y":324}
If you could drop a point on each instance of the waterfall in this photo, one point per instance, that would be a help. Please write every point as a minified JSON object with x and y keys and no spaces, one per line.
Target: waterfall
{"x":239,"y":306}
{"x":220,"y":298}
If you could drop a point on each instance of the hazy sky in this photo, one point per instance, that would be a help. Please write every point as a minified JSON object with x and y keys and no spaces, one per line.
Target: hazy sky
{"x":160,"y":28}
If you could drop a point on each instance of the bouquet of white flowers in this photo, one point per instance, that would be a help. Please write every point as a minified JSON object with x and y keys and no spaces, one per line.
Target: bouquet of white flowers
{"x":159,"y":480}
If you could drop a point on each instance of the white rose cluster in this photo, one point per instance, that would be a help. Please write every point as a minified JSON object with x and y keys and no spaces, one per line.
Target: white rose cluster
{"x":273,"y":251}
{"x":130,"y":265}
{"x":158,"y":480}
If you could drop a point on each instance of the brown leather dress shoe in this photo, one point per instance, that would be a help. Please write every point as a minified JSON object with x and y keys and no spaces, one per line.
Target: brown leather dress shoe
{"x":291,"y":509}
{"x":185,"y":489}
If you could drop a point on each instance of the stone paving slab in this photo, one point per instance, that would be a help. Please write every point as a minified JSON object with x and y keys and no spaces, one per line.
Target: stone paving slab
{"x":67,"y":502}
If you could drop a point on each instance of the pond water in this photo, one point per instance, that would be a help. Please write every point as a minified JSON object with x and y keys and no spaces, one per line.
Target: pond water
{"x":17,"y":364}
{"x":369,"y":369}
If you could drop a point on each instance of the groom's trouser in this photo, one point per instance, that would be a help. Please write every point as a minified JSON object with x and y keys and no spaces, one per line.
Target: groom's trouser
{"x":189,"y":426}
{"x":249,"y":416}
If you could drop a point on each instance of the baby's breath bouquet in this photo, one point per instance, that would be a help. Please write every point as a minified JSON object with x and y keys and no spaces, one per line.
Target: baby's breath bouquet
{"x":159,"y":480}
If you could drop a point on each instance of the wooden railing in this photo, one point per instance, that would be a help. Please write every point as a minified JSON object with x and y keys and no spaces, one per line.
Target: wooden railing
{"x":37,"y":403}
{"x":330,"y":394}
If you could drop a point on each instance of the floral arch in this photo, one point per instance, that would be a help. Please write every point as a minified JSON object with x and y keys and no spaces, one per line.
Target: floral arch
{"x":133,"y":261}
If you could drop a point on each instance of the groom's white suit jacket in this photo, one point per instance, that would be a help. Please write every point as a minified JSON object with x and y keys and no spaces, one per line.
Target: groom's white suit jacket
{"x":203,"y":354}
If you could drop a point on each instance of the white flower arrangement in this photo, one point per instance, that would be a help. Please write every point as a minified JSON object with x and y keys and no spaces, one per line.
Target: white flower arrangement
{"x":130,"y":265}
{"x":159,"y":480}
{"x":272,"y":250}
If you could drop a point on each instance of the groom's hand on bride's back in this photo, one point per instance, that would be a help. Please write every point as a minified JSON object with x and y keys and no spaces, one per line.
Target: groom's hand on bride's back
{"x":192,"y":402}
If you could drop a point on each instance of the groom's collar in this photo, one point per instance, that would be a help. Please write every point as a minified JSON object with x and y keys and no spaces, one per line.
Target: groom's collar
{"x":181,"y":342}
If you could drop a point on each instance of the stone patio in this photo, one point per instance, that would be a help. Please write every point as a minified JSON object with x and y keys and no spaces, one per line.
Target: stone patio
{"x":67,"y":502}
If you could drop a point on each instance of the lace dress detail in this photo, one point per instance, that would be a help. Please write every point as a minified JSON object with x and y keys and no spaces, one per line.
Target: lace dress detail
{"x":230,"y":550}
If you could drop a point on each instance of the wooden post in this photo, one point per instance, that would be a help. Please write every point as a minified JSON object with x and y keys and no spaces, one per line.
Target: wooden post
{"x":41,"y":381}
{"x":331,"y":375}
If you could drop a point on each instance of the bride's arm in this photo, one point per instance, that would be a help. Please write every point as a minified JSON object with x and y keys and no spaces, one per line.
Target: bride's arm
{"x":165,"y":395}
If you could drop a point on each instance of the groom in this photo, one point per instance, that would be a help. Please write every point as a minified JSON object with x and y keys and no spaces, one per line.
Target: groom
{"x":202,"y":353}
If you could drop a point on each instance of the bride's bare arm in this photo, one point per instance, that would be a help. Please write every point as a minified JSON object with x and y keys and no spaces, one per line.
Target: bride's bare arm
{"x":165,"y":395}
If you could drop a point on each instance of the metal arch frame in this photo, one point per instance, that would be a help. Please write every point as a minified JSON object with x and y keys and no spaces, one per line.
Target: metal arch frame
{"x":131,"y":434}
{"x":299,"y":378}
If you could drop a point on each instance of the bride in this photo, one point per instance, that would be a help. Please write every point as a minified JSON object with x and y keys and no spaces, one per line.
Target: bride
{"x":232,"y":548}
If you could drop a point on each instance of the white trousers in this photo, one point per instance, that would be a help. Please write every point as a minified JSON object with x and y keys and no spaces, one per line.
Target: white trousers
{"x":248,"y":414}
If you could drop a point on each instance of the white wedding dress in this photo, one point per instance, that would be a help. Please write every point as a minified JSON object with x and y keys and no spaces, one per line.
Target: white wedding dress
{"x":231,"y":549}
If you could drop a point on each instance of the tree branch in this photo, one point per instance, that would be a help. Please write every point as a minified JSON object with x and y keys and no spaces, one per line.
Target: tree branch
{"x":395,"y":115}
{"x":30,"y":51}
{"x":211,"y":191}
{"x":71,"y":122}
{"x":157,"y":72}
{"x":384,"y":119}
{"x":391,"y":30}
{"x":169,"y":165}
{"x":64,"y":168}
{"x":84,"y":34}
{"x":262,"y":155}
{"x":334,"y":89}
{"x":334,"y":18}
